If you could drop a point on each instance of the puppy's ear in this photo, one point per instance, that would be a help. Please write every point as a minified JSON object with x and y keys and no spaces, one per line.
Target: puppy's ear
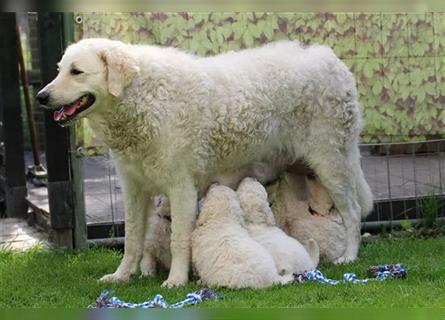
{"x":121,"y":68}
{"x":270,"y":218}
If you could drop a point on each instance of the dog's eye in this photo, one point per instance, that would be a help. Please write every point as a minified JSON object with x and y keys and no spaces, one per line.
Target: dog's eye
{"x":75,"y":72}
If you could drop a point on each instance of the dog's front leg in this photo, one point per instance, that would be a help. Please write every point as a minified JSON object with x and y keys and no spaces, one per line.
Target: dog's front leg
{"x":138,"y":204}
{"x":183,"y":201}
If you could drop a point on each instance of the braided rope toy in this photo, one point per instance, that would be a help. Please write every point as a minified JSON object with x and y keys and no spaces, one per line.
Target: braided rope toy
{"x":105,"y":301}
{"x":379,"y":273}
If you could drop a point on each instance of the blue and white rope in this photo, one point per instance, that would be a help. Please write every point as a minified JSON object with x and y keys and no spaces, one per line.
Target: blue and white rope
{"x":105,"y":301}
{"x":380,"y":273}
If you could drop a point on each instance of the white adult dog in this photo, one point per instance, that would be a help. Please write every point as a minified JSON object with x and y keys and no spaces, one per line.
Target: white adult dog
{"x":224,"y":254}
{"x":176,"y":122}
{"x":290,"y":256}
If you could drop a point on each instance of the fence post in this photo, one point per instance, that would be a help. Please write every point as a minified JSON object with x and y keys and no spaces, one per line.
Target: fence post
{"x":14,"y":182}
{"x":62,"y":190}
{"x":80,"y":225}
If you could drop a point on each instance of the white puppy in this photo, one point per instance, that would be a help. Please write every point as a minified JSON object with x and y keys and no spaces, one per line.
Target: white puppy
{"x":157,"y":238}
{"x":304,"y":210}
{"x":223,"y":253}
{"x":289,"y":255}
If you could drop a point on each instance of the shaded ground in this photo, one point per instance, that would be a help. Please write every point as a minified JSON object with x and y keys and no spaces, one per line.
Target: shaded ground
{"x":16,"y":234}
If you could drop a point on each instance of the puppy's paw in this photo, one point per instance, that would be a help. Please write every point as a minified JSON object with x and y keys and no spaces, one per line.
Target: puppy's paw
{"x":344,"y":259}
{"x":148,"y":267}
{"x":147,"y":271}
{"x":115,"y":277}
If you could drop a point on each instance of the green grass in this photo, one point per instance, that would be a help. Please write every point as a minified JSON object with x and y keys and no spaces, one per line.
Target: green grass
{"x":41,"y":278}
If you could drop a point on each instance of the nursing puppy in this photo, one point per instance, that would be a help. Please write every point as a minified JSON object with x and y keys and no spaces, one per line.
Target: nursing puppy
{"x":290,"y":256}
{"x":157,"y":238}
{"x":176,"y":122}
{"x":304,"y":210}
{"x":223,"y":253}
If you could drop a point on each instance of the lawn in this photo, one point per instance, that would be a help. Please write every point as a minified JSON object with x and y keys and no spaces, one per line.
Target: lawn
{"x":41,"y":278}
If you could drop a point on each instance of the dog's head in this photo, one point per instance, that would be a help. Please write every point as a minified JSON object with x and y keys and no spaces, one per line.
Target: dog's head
{"x":253,"y":201}
{"x":220,"y":203}
{"x":91,"y":73}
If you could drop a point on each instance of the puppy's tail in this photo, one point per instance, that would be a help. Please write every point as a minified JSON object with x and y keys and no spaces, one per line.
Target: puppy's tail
{"x":313,"y":250}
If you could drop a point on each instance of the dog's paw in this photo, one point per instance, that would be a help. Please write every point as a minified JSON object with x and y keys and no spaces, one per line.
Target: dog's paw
{"x":115,"y":277}
{"x":172,"y":282}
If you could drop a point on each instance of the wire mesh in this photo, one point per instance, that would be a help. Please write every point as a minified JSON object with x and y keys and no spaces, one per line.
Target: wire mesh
{"x":399,"y":174}
{"x":102,"y":191}
{"x":402,"y":176}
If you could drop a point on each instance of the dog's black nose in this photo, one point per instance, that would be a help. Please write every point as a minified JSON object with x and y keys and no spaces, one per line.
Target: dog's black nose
{"x":43,"y":97}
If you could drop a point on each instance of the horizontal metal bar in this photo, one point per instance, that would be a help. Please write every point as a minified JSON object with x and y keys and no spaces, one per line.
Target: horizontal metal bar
{"x":106,"y":242}
{"x":393,"y":143}
{"x":366,"y":226}
{"x":376,"y":225}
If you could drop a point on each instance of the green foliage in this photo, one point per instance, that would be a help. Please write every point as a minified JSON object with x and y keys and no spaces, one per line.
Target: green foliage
{"x":406,"y":225}
{"x":429,"y":209}
{"x":368,"y":35}
{"x":397,"y":58}
{"x":394,"y":35}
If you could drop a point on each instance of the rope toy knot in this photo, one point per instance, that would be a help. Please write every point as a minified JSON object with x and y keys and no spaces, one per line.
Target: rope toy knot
{"x":379,"y":272}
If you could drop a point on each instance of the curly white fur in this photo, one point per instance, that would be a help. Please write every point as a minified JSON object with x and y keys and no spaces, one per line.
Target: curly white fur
{"x":176,"y":122}
{"x":223,"y":252}
{"x":289,"y":255}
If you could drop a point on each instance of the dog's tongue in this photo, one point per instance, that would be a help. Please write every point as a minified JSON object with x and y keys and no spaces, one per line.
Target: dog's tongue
{"x":58,"y":114}
{"x":67,"y":110}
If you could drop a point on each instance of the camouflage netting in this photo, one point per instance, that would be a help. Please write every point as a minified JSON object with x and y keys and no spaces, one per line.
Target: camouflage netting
{"x":398,"y":58}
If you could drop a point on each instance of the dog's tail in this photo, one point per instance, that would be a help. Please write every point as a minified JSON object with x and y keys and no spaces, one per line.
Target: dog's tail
{"x":313,"y":250}
{"x":364,"y":193}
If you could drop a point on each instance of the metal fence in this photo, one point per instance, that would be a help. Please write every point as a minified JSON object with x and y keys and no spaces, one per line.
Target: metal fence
{"x":404,"y":177}
{"x":401,"y":175}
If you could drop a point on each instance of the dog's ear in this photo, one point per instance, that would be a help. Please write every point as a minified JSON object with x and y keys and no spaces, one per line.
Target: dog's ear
{"x":121,"y":68}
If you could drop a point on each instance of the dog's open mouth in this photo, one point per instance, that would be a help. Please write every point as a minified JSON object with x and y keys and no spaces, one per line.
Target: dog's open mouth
{"x":69,"y":111}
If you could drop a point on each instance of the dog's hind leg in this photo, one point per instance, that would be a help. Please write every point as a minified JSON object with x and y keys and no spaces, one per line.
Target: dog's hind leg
{"x":184,"y":207}
{"x":335,"y":172}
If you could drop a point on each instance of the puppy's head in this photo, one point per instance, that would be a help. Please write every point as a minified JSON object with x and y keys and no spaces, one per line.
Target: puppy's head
{"x":220,"y":203}
{"x":253,"y":201}
{"x":91,"y":73}
{"x":162,"y":207}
